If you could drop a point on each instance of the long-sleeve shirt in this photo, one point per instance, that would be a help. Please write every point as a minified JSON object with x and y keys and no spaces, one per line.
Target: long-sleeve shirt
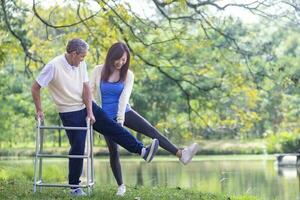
{"x":124,"y":97}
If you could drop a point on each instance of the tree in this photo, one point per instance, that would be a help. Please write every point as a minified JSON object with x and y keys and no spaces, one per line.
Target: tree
{"x":198,"y":73}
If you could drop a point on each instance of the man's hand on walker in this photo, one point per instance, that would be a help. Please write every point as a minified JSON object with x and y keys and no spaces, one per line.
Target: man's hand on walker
{"x":39,"y":115}
{"x":91,"y":117}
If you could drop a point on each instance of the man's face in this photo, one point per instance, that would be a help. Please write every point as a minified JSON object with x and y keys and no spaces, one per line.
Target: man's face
{"x":77,"y":58}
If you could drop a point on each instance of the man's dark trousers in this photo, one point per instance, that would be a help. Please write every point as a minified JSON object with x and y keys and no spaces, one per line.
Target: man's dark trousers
{"x":103,"y":125}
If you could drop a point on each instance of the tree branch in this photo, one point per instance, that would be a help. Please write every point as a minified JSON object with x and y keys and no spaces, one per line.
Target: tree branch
{"x":59,"y":26}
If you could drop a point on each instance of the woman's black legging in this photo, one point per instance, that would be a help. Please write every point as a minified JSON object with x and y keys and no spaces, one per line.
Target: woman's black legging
{"x":139,"y":124}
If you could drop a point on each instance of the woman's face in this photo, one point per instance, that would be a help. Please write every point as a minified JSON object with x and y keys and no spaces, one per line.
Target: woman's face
{"x":120,"y":62}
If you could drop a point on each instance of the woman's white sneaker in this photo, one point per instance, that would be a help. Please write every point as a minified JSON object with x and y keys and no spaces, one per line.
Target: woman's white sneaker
{"x":188,"y":153}
{"x":121,"y":190}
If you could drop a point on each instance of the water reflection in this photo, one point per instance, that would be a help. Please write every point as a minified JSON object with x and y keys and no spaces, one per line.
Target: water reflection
{"x":259,"y":178}
{"x":288,"y":172}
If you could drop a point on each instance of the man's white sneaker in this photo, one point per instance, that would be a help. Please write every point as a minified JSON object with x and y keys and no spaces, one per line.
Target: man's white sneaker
{"x":121,"y":190}
{"x":78,"y":192}
{"x":188,"y":153}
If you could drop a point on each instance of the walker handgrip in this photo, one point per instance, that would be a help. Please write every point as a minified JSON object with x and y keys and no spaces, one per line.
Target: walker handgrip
{"x":39,"y":120}
{"x":88,"y":122}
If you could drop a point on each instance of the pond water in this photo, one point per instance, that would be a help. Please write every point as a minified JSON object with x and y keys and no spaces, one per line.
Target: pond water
{"x":232,"y":175}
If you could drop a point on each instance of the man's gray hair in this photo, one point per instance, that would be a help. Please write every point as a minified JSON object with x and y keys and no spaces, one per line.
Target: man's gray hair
{"x":77,"y":45}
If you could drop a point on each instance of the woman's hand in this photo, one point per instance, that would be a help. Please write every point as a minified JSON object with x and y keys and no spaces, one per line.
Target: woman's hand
{"x":121,"y":123}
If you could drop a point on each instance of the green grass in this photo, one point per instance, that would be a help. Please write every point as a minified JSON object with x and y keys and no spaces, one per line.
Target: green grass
{"x":20,"y":189}
{"x":231,"y":146}
{"x":16,"y":183}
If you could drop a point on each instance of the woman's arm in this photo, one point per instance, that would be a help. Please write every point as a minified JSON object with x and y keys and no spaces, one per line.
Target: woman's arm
{"x":96,"y":73}
{"x":87,"y":100}
{"x":124,"y":97}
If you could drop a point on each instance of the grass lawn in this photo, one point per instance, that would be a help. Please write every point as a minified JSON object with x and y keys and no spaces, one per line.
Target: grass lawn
{"x":20,"y":189}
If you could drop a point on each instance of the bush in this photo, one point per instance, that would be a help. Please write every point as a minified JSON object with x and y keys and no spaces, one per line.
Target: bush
{"x":283,"y":142}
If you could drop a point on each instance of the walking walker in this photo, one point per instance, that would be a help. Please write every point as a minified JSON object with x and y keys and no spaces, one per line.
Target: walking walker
{"x":39,"y":155}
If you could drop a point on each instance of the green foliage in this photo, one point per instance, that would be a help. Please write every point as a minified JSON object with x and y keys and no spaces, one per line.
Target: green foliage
{"x":238,"y":84}
{"x":283,"y":142}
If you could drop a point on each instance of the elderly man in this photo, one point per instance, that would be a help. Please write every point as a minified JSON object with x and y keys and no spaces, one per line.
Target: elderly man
{"x":67,"y":80}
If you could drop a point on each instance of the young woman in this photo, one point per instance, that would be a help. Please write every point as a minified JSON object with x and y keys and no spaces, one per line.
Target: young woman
{"x":111,"y":86}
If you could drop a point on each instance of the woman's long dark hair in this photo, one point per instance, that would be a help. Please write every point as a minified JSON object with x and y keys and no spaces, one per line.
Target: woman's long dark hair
{"x":115,"y":52}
